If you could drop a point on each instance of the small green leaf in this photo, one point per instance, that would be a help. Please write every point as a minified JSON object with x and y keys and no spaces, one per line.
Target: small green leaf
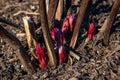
{"x":84,"y":30}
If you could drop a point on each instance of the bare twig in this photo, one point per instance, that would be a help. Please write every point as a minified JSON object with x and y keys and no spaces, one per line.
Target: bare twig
{"x":7,"y":7}
{"x":46,"y":34}
{"x":81,"y":14}
{"x":115,"y":50}
{"x":74,"y":55}
{"x":59,"y":11}
{"x":47,"y":5}
{"x":32,"y":32}
{"x":52,"y":12}
{"x":38,"y":29}
{"x":3,"y":20}
{"x":110,"y":20}
{"x":85,"y":43}
{"x":16,"y":45}
{"x":27,"y":31}
{"x":105,"y":29}
{"x":25,"y":12}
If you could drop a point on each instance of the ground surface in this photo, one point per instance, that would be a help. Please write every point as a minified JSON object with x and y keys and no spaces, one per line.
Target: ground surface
{"x":93,"y":64}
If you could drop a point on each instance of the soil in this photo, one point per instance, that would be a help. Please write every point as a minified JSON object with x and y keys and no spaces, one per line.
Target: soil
{"x":93,"y":64}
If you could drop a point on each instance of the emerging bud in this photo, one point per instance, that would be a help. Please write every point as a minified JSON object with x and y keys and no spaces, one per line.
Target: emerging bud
{"x":57,"y":36}
{"x":65,"y":26}
{"x":72,"y":19}
{"x":65,"y":29}
{"x":62,"y":54}
{"x":41,"y":56}
{"x":91,"y":31}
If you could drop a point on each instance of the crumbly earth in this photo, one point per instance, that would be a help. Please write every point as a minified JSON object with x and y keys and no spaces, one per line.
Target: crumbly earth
{"x":93,"y":65}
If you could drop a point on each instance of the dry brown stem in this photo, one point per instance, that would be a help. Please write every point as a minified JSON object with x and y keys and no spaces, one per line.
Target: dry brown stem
{"x":59,"y":11}
{"x":20,"y":51}
{"x":52,"y":12}
{"x":25,"y":12}
{"x":110,"y":20}
{"x":9,"y":23}
{"x":7,"y":7}
{"x":46,"y":34}
{"x":27,"y":31}
{"x":80,"y":17}
{"x":115,"y":50}
{"x":105,"y":29}
{"x":74,"y":55}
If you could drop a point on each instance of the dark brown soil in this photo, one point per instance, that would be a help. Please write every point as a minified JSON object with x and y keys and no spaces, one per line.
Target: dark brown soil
{"x":93,"y":64}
